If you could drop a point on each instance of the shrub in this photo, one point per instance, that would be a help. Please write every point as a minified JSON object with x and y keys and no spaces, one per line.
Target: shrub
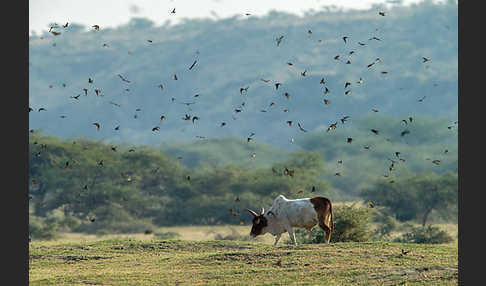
{"x":352,"y":223}
{"x":428,"y":235}
{"x":42,"y":228}
{"x":166,"y":235}
{"x":387,"y":223}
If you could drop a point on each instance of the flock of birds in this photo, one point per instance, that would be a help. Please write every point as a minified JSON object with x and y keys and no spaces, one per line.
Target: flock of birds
{"x":56,"y":30}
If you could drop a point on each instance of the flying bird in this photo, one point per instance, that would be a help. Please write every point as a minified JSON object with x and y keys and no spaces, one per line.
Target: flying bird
{"x":381,"y":13}
{"x":347,"y":84}
{"x":97,"y":126}
{"x":349,"y":140}
{"x":326,"y":91}
{"x":194,"y":118}
{"x":96,"y":27}
{"x":300,"y":127}
{"x":175,"y":76}
{"x":279,"y":39}
{"x":303,"y":73}
{"x":156,"y":128}
{"x":332,"y":126}
{"x":193,"y":64}
{"x":375,"y":131}
{"x":344,"y":39}
{"x":289,"y":172}
{"x":122,"y":78}
{"x":65,"y":26}
{"x":76,"y":97}
{"x":326,"y":101}
{"x":289,"y":122}
{"x":421,"y":99}
{"x":287,"y":95}
{"x":173,"y":11}
{"x":244,"y":89}
{"x":233,"y":212}
{"x":404,"y":132}
{"x":277,"y":85}
{"x":347,"y":92}
{"x":42,"y":109}
{"x":425,"y":59}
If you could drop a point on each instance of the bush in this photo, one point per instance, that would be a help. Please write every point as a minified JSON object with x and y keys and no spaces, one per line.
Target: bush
{"x":427,"y":235}
{"x":42,"y":228}
{"x":351,"y":224}
{"x":166,"y":235}
{"x":387,"y":223}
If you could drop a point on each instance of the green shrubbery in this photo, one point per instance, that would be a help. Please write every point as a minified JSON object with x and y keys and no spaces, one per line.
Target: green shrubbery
{"x":43,"y":228}
{"x":352,"y":223}
{"x":429,"y":235}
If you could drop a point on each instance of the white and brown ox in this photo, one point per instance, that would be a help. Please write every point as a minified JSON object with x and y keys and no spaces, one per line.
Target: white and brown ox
{"x":286,"y":214}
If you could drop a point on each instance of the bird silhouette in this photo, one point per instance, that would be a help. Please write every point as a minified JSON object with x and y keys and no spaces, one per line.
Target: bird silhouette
{"x":193,"y":64}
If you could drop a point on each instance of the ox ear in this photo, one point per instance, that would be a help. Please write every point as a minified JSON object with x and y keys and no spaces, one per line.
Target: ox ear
{"x":252,"y":212}
{"x":262,"y":212}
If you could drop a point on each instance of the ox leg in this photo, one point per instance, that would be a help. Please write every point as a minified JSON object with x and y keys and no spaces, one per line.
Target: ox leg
{"x":327,"y":230}
{"x":290,"y":230}
{"x":277,"y":238}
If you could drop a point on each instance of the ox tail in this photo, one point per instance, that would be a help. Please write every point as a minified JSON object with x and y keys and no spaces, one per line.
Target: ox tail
{"x":332,"y":217}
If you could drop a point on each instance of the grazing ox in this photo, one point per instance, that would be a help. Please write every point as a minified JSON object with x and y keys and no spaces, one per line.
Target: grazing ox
{"x":286,"y":214}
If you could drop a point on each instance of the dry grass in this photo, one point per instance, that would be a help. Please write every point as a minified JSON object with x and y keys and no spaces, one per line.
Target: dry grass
{"x":177,"y":262}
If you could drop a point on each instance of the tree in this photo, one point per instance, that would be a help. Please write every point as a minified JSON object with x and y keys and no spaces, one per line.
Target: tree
{"x":417,"y":196}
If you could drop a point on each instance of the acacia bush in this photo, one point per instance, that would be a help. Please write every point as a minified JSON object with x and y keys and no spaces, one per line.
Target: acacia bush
{"x":427,"y":235}
{"x":351,"y":223}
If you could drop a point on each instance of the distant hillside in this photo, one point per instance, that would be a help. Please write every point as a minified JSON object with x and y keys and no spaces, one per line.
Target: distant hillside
{"x":237,"y":53}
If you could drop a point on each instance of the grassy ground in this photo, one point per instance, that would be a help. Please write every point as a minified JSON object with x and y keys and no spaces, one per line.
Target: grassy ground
{"x":143,"y":260}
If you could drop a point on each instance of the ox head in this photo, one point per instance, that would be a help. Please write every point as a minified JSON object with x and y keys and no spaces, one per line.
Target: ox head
{"x":259,"y":223}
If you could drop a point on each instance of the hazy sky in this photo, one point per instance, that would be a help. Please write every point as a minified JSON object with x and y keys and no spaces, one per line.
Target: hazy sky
{"x":111,"y":13}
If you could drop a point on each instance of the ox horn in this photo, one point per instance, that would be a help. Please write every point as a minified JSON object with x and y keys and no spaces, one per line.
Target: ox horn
{"x":263,"y":211}
{"x":252,"y":212}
